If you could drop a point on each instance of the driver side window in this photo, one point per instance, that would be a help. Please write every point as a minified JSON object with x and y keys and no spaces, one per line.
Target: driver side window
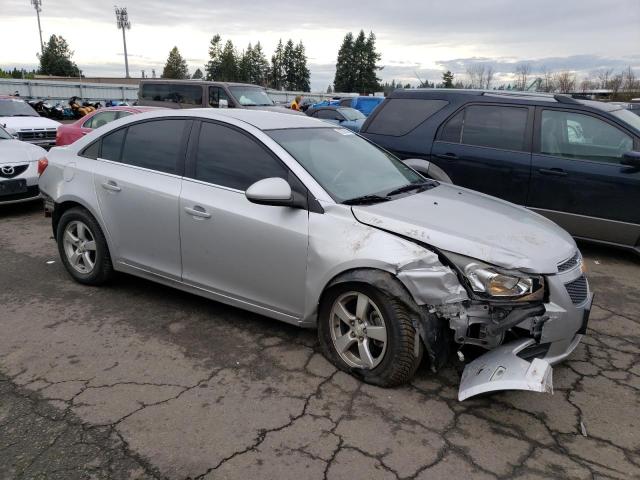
{"x":215,"y":95}
{"x":574,"y":135}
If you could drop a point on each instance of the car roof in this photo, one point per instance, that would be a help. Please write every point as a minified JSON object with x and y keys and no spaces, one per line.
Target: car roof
{"x":260,"y":119}
{"x":199,"y":82}
{"x":506,"y":96}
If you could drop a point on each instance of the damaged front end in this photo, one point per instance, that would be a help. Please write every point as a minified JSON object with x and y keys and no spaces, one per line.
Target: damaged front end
{"x":527,"y":322}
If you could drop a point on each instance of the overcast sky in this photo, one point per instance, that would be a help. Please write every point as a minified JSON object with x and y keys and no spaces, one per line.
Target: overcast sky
{"x":415,"y":37}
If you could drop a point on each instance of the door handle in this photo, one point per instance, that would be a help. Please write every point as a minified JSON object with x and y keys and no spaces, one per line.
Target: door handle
{"x":111,"y":185}
{"x":447,"y":156}
{"x":197,"y":211}
{"x":553,"y":171}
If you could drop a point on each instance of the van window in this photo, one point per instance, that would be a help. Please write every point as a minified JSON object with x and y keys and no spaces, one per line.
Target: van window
{"x":399,"y":116}
{"x":172,"y":92}
{"x":215,"y":95}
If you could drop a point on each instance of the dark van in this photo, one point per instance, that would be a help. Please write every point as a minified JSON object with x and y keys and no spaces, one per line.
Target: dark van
{"x":199,"y":94}
{"x":574,"y":161}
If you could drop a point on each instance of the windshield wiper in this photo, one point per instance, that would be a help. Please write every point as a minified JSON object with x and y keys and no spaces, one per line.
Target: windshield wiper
{"x":366,"y":199}
{"x":24,"y":115}
{"x":411,"y":186}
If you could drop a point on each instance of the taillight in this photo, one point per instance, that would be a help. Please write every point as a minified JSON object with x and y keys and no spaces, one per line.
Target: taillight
{"x":43,"y":163}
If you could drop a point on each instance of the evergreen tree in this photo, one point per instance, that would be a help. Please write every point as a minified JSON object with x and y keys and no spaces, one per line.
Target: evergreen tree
{"x":176,"y":66}
{"x":228,"y":63}
{"x":343,"y":80}
{"x":370,"y":67}
{"x":302,"y":73}
{"x":329,"y":89}
{"x":289,"y":66}
{"x":197,"y":75}
{"x":277,"y":67}
{"x":259,"y":66}
{"x":215,"y":54}
{"x":245,"y":65}
{"x":447,"y":79}
{"x":56,"y":59}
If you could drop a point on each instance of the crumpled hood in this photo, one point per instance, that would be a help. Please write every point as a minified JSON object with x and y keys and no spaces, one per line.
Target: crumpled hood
{"x":15,"y":151}
{"x":18,"y":123}
{"x":476,"y":225}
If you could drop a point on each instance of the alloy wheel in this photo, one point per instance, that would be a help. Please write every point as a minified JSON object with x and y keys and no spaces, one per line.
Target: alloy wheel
{"x":79,"y":247}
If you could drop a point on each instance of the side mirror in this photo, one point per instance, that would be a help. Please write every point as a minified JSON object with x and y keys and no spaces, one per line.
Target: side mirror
{"x":270,"y":191}
{"x":428,"y":169}
{"x":631,"y":158}
{"x":222,"y":103}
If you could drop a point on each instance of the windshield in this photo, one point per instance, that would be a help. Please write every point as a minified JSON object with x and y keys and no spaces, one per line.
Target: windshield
{"x":344,"y":164}
{"x":4,"y":135}
{"x":352,"y":113}
{"x":16,"y":108}
{"x":251,"y":96}
{"x":628,"y":117}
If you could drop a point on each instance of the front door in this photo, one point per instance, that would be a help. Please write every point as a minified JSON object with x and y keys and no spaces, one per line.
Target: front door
{"x":254,"y":256}
{"x":578,"y":179}
{"x":137,"y":180}
{"x":487,"y":148}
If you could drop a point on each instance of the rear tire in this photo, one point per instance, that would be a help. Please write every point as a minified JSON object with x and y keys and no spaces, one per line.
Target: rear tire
{"x":347,"y":329}
{"x":83,"y":248}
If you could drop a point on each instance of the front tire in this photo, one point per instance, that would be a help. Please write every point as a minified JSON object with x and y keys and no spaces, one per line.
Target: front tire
{"x":83,"y":247}
{"x":368,"y":333}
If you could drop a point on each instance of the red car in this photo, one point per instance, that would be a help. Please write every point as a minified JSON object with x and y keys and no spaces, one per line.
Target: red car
{"x":69,"y":133}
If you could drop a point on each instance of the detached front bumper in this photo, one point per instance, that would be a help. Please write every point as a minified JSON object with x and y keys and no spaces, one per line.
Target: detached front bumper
{"x":526,"y":363}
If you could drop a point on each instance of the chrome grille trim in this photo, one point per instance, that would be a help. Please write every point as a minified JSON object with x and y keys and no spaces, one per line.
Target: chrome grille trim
{"x":569,"y":264}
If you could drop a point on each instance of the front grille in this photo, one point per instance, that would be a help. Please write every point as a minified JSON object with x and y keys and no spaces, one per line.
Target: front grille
{"x":578,"y":290}
{"x":10,"y":171}
{"x":37,"y":135}
{"x":569,"y":264}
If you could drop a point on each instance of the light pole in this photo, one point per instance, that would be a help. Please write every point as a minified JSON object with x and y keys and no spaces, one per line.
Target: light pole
{"x":122,"y":19}
{"x":37,"y":4}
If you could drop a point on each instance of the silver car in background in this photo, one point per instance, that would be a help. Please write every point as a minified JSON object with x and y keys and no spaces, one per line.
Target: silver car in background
{"x":310,"y":224}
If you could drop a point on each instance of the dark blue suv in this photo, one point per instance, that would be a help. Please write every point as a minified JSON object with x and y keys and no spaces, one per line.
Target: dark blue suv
{"x":576,"y":162}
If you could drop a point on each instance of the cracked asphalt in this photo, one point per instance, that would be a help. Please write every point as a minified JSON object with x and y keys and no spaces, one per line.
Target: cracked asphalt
{"x":139,"y":381}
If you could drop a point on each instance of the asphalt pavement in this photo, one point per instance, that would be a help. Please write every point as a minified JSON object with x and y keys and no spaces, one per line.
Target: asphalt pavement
{"x":139,"y":381}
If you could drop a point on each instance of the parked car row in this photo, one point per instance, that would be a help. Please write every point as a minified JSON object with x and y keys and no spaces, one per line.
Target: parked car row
{"x":307,"y":222}
{"x":390,"y":259}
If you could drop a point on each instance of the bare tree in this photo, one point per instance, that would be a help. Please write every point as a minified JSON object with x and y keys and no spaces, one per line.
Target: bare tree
{"x":603,"y":77}
{"x":565,"y":81}
{"x":630,"y":83}
{"x":522,"y":75}
{"x":615,"y":84}
{"x":476,"y":75}
{"x":548,"y":83}
{"x":488,"y":77}
{"x":588,"y":83}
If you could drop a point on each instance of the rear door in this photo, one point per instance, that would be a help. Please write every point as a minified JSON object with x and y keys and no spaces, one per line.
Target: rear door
{"x":137,"y":180}
{"x":253,"y":254}
{"x":578,"y":179}
{"x":486,"y":147}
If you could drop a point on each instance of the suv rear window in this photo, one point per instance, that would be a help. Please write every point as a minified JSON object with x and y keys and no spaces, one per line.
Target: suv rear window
{"x":176,"y":93}
{"x":399,"y":116}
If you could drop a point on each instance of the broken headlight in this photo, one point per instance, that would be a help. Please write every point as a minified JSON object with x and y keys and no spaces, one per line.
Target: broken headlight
{"x":496,"y":282}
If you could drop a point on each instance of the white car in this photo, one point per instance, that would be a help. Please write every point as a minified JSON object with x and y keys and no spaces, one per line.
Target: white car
{"x":21,"y":120}
{"x":18,"y":169}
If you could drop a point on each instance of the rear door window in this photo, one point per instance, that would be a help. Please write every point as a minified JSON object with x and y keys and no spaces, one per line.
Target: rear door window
{"x":231,"y":159}
{"x":101,"y":118}
{"x":574,"y":135}
{"x":156,"y":145}
{"x":399,"y":116}
{"x":495,"y":126}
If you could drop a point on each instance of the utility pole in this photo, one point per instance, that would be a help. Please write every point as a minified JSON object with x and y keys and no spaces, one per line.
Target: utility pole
{"x":122,"y":19}
{"x":37,"y":4}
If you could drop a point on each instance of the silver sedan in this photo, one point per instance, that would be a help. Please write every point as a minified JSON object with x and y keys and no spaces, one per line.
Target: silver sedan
{"x":310,"y":224}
